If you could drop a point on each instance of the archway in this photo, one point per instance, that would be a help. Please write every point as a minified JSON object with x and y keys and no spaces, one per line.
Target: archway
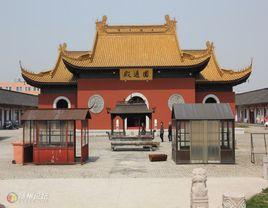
{"x":211,"y":98}
{"x":137,"y":97}
{"x":61,"y":103}
{"x":136,"y":121}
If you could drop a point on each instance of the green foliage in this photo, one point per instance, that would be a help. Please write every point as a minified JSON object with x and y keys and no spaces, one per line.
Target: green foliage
{"x":259,"y":201}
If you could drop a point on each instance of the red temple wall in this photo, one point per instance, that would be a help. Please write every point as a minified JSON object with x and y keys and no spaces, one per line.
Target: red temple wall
{"x":224,"y":97}
{"x":46,"y":98}
{"x":157,"y":93}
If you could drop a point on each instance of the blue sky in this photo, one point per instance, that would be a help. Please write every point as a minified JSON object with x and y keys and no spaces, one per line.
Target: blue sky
{"x":31,"y":30}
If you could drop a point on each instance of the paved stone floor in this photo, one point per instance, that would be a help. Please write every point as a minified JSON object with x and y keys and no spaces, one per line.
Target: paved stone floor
{"x":121,"y":192}
{"x":124,"y":178}
{"x":104,"y":163}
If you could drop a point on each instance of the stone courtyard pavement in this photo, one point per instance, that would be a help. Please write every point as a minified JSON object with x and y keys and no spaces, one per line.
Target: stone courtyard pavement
{"x":124,"y":178}
{"x":121,"y":192}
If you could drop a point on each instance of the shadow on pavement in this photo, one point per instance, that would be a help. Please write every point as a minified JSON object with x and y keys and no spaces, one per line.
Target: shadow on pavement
{"x":3,"y":138}
{"x":92,"y":159}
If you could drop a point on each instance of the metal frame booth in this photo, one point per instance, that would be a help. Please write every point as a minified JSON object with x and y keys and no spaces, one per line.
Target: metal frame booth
{"x":144,"y":137}
{"x":51,"y":137}
{"x":203,"y":133}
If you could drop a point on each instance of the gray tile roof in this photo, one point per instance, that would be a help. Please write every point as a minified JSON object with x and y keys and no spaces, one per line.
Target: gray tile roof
{"x":252,"y":97}
{"x":209,"y":111}
{"x":131,"y":108}
{"x":8,"y":97}
{"x":56,"y":114}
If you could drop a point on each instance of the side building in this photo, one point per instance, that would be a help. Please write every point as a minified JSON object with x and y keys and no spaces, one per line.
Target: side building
{"x":252,"y":106}
{"x":13,"y":104}
{"x":20,"y":86}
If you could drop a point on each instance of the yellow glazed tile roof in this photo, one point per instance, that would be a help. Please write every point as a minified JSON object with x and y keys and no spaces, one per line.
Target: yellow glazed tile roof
{"x":125,"y":46}
{"x":59,"y":74}
{"x":135,"y":46}
{"x":213,"y":73}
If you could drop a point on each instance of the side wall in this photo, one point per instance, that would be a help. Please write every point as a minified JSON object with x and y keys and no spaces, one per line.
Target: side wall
{"x":224,"y":97}
{"x":47,"y":96}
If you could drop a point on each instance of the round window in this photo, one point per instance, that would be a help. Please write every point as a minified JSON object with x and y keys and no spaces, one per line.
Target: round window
{"x":175,"y":99}
{"x":96,"y":103}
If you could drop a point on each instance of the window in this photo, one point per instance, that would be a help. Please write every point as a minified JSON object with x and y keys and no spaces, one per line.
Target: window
{"x":61,"y":102}
{"x":53,"y":133}
{"x":29,"y":132}
{"x":211,"y":98}
{"x":17,"y":89}
{"x":226,"y":134}
{"x":183,"y":135}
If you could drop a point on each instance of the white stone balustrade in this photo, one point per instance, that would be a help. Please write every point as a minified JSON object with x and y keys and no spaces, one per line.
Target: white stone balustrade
{"x":265,"y":167}
{"x":233,"y":200}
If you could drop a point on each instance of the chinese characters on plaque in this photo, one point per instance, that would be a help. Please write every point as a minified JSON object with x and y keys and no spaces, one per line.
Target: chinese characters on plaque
{"x":136,"y":74}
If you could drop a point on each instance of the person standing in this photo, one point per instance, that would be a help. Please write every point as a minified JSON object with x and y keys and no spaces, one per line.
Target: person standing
{"x":162,"y":131}
{"x":169,"y":132}
{"x":143,"y":131}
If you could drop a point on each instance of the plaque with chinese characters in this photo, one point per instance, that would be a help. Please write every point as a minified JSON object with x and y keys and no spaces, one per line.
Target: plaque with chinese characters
{"x":136,"y":74}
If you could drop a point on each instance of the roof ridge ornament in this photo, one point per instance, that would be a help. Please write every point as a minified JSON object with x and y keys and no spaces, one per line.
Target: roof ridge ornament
{"x":247,"y":68}
{"x":171,"y":23}
{"x":209,"y":51}
{"x":210,"y":47}
{"x":62,"y":47}
{"x":25,"y":70}
{"x":100,"y":25}
{"x":20,"y":64}
{"x":251,"y":62}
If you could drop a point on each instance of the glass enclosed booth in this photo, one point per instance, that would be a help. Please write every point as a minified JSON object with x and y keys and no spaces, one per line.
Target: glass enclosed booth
{"x":50,"y":137}
{"x":203,"y":133}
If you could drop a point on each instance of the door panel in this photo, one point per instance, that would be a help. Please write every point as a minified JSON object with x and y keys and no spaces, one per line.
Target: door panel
{"x":213,"y":141}
{"x":197,"y":141}
{"x":205,"y":142}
